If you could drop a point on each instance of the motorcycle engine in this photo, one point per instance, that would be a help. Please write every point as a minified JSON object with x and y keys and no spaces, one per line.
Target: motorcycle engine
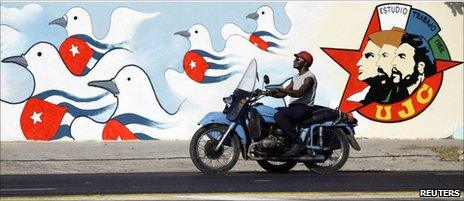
{"x":274,"y":140}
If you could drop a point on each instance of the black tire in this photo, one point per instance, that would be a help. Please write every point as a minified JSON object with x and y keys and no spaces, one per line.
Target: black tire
{"x":275,"y":167}
{"x":202,"y":163}
{"x":324,"y":167}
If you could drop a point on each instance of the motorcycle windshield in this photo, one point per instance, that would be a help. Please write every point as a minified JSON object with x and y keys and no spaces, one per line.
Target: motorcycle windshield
{"x":248,"y":81}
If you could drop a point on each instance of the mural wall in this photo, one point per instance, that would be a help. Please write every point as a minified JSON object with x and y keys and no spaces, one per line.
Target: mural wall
{"x":151,"y":70}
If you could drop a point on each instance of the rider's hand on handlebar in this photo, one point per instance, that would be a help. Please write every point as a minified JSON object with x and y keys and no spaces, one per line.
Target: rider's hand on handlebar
{"x":258,"y":92}
{"x":275,"y":91}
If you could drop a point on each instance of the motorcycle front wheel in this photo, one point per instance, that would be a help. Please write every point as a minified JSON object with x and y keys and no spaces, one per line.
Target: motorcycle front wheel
{"x":336,"y":158}
{"x":203,"y":153}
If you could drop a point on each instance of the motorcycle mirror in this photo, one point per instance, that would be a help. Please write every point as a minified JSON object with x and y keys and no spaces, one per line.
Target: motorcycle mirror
{"x":266,"y":79}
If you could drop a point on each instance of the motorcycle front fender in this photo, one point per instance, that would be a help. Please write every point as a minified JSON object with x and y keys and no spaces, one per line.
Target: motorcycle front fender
{"x":220,"y":118}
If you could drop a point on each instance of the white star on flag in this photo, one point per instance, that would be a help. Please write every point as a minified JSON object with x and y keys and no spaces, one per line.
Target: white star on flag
{"x":36,"y":117}
{"x":74,"y":50}
{"x":193,"y":64}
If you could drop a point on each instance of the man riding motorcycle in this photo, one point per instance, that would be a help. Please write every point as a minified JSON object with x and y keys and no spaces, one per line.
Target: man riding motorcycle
{"x":249,"y":127}
{"x":302,"y":90}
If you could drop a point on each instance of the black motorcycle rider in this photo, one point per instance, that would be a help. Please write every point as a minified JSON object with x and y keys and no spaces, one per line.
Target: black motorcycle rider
{"x":302,"y":91}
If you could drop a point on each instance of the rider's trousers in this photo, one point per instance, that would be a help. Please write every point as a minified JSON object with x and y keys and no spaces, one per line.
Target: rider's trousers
{"x":287,"y":117}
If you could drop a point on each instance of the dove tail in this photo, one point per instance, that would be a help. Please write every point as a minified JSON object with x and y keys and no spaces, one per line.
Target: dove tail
{"x":272,"y":44}
{"x":265,"y":33}
{"x":216,"y":66}
{"x":178,"y":108}
{"x":75,"y":111}
{"x":46,"y":94}
{"x":208,"y":55}
{"x":215,"y":79}
{"x":120,"y":46}
{"x":131,"y":118}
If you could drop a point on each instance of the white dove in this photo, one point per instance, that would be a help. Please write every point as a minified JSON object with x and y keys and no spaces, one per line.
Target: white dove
{"x":78,"y":25}
{"x":200,"y":39}
{"x":265,"y":37}
{"x":138,"y":113}
{"x":213,"y":69}
{"x":264,"y":17}
{"x":124,"y":22}
{"x":219,"y":64}
{"x":56,"y":85}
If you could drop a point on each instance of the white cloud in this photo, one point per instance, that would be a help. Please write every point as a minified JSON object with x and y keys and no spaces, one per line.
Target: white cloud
{"x":15,"y":16}
{"x":9,"y":38}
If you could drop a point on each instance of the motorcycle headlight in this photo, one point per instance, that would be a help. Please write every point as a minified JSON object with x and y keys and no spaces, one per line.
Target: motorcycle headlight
{"x":228,"y":100}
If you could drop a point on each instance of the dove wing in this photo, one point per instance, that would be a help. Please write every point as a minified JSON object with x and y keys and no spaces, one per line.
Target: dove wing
{"x":124,"y":22}
{"x":231,"y":29}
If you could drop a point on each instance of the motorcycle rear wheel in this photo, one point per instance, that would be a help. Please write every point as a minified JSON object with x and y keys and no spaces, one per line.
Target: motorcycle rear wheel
{"x":276,"y":167}
{"x":202,"y":149}
{"x":339,"y":159}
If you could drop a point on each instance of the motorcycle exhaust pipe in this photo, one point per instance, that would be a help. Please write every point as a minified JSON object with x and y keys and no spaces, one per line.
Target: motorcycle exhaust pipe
{"x":316,"y":158}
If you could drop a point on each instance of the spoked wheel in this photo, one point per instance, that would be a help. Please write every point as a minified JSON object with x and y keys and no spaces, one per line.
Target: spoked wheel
{"x":335,"y":158}
{"x":277,"y":167}
{"x":203,"y":153}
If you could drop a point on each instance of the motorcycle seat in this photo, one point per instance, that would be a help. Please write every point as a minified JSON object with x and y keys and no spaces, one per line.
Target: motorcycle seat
{"x":321,"y":114}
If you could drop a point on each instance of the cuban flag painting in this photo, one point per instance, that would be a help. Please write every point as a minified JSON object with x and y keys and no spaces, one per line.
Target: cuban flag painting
{"x":115,"y":130}
{"x":195,"y":64}
{"x":130,"y":126}
{"x":256,"y":39}
{"x":80,"y":53}
{"x":41,"y":120}
{"x":48,"y":115}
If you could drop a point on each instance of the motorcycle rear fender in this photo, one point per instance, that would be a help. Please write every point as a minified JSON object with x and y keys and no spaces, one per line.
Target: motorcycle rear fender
{"x":349,"y":131}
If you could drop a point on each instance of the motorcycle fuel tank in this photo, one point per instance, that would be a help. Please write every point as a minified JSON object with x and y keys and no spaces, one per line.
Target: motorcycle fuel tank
{"x":267,"y":113}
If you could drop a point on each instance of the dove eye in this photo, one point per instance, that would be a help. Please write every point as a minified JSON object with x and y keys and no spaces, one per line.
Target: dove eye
{"x":128,"y":79}
{"x":75,"y":17}
{"x":39,"y":54}
{"x":196,"y":31}
{"x":262,"y":12}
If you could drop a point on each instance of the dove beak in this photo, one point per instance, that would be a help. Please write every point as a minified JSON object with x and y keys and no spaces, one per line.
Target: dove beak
{"x":253,"y":16}
{"x":108,"y":85}
{"x":62,"y":21}
{"x":20,"y":60}
{"x":185,"y":34}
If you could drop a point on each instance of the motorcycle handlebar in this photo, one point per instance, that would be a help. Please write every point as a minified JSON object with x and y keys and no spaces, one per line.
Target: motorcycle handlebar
{"x":259,"y":92}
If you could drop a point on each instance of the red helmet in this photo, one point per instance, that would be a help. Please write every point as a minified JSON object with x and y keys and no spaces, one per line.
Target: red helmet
{"x":305,"y":56}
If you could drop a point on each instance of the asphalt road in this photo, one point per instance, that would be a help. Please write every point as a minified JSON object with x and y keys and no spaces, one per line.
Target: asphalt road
{"x":193,"y":182}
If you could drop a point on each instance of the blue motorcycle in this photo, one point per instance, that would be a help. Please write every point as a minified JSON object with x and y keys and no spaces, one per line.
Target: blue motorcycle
{"x":248,"y":127}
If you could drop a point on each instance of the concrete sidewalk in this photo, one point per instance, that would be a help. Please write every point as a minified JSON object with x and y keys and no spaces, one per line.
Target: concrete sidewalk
{"x":173,"y":156}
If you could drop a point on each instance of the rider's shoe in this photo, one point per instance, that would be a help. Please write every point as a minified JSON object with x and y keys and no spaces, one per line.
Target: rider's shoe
{"x":295,"y":147}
